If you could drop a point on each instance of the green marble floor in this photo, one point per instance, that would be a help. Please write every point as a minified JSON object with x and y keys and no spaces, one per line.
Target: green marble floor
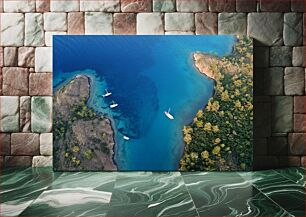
{"x":42,"y":192}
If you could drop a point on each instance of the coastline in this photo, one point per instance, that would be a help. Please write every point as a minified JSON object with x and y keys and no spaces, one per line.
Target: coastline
{"x":233,"y":87}
{"x":73,"y":95}
{"x":202,"y":61}
{"x":91,"y":86}
{"x":154,"y":140}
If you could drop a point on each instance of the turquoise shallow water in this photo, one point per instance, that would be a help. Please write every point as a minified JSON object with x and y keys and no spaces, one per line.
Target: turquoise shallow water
{"x":147,"y":75}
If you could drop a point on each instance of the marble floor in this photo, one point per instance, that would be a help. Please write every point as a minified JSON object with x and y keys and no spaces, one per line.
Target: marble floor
{"x":42,"y":192}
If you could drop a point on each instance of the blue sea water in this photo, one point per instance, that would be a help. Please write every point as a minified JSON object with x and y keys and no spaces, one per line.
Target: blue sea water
{"x":146,"y":75}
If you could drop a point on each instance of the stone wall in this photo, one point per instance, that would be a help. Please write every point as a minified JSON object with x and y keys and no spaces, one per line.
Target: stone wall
{"x":27,"y":27}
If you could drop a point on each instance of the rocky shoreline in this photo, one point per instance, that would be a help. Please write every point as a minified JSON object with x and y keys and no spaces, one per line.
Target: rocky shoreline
{"x":213,"y":140}
{"x":83,"y":140}
{"x":205,"y":63}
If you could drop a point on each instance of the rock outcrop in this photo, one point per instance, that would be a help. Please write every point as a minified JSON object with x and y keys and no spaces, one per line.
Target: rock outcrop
{"x":83,"y":140}
{"x":205,"y":63}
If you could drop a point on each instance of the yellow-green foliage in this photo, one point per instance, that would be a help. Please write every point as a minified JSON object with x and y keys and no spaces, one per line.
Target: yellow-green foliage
{"x":76,"y":161}
{"x":81,"y":111}
{"x":220,"y":137}
{"x":88,"y":154}
{"x":76,"y":149}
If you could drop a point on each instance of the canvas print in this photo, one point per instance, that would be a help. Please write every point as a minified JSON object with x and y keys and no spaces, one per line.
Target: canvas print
{"x":152,"y":103}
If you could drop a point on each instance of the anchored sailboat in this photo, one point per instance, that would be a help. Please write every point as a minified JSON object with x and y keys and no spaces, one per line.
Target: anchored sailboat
{"x":126,"y":138}
{"x":170,"y":116}
{"x":107,"y":93}
{"x":113,"y":105}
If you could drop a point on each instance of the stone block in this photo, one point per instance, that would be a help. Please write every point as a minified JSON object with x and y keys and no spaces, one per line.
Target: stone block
{"x":64,"y":6}
{"x":10,"y":55}
{"x":25,"y":144}
{"x":232,"y":23}
{"x":206,"y":23}
{"x":1,"y":56}
{"x":262,"y":99}
{"x":293,"y":29}
{"x":179,"y":33}
{"x":258,"y":81}
{"x":262,"y":120}
{"x":278,"y":146}
{"x":15,"y":81}
{"x":76,"y":23}
{"x":246,"y":5}
{"x":299,"y":123}
{"x":98,"y":23}
{"x":299,"y":104}
{"x":41,"y":114}
{"x":1,"y":81}
{"x":163,"y":5}
{"x":12,"y":29}
{"x":34,"y":29}
{"x":17,"y":161}
{"x":298,"y":56}
{"x":289,"y":161}
{"x":40,"y":84}
{"x":9,"y":113}
{"x":265,"y":162}
{"x":261,"y":56}
{"x":260,"y":147}
{"x":124,"y":23}
{"x":280,"y":56}
{"x":303,"y":161}
{"x":42,"y":5}
{"x":274,"y":81}
{"x":296,"y":143}
{"x":46,"y":144}
{"x":191,"y":5}
{"x":19,"y":6}
{"x":5,"y":144}
{"x":266,"y":28}
{"x":55,"y":21}
{"x":179,"y":22}
{"x":49,"y":37}
{"x":42,"y":161}
{"x":26,"y":56}
{"x":222,"y":5}
{"x":304,"y":29}
{"x":25,"y":114}
{"x":43,"y":59}
{"x":272,"y":6}
{"x":297,"y":6}
{"x":150,"y":24}
{"x":100,"y":5}
{"x":294,"y":81}
{"x":282,"y":117}
{"x":136,"y":5}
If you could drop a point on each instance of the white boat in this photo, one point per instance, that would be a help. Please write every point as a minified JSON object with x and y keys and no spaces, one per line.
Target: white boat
{"x":106,"y":93}
{"x":170,"y":116}
{"x":126,"y":138}
{"x":113,"y":105}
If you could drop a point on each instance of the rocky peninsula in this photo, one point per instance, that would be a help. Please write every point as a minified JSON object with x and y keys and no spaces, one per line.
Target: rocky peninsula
{"x":83,"y":140}
{"x":220,"y":137}
{"x":205,"y":63}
